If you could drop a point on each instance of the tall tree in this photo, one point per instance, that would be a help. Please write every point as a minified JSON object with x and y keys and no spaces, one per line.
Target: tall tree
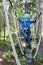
{"x":10,"y":36}
{"x":40,"y":53}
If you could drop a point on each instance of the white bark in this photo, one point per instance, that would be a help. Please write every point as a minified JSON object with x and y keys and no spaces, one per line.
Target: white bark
{"x":10,"y":36}
{"x":42,"y":20}
{"x":40,"y":52}
{"x":38,"y":26}
{"x":37,"y":13}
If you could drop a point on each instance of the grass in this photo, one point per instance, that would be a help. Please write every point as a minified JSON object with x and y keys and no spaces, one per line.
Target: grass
{"x":39,"y":59}
{"x":9,"y":53}
{"x":34,"y":45}
{"x":3,"y":43}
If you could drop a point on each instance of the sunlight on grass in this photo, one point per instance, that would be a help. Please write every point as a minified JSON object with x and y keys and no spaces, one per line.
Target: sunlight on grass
{"x":34,"y":45}
{"x":42,"y":34}
{"x":23,"y":43}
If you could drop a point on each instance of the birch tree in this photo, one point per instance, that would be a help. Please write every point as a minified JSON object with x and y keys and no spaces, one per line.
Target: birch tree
{"x":5,"y":4}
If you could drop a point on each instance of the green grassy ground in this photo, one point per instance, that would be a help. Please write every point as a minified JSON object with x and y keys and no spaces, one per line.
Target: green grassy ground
{"x":8,"y":54}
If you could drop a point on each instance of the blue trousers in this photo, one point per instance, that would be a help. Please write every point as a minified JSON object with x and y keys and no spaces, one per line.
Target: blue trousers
{"x":26,"y":33}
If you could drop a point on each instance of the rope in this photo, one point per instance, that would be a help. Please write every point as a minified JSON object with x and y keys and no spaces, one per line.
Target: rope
{"x":19,"y":40}
{"x":38,"y":46}
{"x":14,"y":17}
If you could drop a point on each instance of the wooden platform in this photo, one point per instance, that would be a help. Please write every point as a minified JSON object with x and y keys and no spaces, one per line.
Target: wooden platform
{"x":32,"y":38}
{"x":24,"y":2}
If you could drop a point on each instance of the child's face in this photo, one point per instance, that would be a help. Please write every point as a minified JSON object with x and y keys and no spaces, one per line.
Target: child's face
{"x":26,"y":20}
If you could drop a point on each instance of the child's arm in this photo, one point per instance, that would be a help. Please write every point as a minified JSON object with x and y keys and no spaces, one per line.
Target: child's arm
{"x":32,"y":21}
{"x":21,"y":21}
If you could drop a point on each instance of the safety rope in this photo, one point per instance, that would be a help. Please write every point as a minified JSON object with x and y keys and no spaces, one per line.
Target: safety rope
{"x":19,"y":40}
{"x":37,"y":46}
{"x":14,"y":17}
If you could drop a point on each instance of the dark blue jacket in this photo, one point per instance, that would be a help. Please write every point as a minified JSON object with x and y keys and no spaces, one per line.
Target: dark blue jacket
{"x":26,"y":24}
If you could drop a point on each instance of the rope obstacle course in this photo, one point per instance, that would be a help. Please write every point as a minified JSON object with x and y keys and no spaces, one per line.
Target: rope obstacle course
{"x":18,"y":36}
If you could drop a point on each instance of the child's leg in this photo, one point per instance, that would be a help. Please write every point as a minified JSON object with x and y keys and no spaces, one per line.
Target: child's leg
{"x":28,"y":53}
{"x":26,"y":35}
{"x":28,"y":41}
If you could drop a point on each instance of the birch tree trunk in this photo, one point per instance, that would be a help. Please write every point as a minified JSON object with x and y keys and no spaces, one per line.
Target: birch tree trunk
{"x":40,"y":53}
{"x":4,"y":31}
{"x":37,"y":13}
{"x":9,"y":32}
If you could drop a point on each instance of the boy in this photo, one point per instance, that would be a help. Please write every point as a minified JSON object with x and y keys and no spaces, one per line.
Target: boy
{"x":26,"y":33}
{"x":26,"y":28}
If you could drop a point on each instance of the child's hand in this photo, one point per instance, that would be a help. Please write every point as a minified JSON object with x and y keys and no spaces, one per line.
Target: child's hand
{"x":19,"y":18}
{"x":35,"y":20}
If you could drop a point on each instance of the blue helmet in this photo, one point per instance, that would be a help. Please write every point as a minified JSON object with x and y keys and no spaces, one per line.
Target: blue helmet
{"x":27,"y":16}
